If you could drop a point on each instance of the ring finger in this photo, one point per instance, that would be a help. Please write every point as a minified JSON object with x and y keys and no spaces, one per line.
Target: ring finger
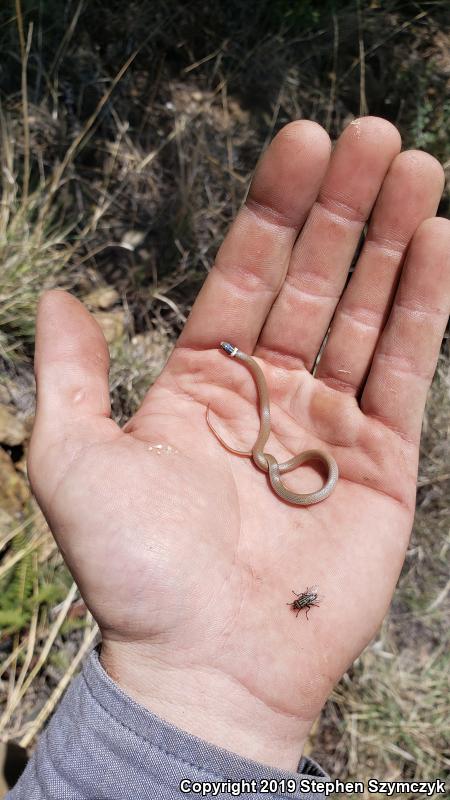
{"x":323,"y":253}
{"x":410,"y":194}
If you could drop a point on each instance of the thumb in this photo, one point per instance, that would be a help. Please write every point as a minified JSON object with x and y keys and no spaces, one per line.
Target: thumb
{"x":73,"y":406}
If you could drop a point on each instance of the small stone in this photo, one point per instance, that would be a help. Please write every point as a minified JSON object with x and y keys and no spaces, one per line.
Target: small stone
{"x":104,"y":297}
{"x":112,"y":324}
{"x":153,"y":346}
{"x":29,"y":424}
{"x":12,"y":429}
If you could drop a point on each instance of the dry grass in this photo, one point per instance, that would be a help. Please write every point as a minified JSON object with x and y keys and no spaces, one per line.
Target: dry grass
{"x":123,"y":165}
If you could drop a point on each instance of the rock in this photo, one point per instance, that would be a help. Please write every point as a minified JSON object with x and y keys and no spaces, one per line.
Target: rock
{"x":29,"y":424}
{"x":12,"y":429}
{"x":152,"y":348}
{"x":104,"y":297}
{"x":112,"y":324}
{"x":14,"y":491}
{"x":19,"y":392}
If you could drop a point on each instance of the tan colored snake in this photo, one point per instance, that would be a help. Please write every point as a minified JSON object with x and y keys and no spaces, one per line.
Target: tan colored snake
{"x":267,"y":462}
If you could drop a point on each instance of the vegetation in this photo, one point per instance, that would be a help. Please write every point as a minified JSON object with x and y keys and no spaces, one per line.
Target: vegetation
{"x":128,"y":138}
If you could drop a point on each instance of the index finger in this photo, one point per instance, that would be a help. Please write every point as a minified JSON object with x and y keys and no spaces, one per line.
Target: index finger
{"x":253,"y":260}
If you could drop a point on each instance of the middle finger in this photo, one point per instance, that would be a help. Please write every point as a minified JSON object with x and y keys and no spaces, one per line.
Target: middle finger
{"x":322,"y":255}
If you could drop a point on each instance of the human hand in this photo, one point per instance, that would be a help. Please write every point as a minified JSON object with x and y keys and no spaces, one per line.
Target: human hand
{"x":186,"y":558}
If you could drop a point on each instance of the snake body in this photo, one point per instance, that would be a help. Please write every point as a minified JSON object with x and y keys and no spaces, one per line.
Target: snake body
{"x":266,"y":461}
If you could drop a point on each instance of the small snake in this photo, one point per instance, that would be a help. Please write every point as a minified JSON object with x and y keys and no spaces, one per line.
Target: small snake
{"x":265,"y":461}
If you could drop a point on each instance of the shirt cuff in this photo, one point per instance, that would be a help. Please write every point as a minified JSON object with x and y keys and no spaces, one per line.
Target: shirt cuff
{"x":102,"y":745}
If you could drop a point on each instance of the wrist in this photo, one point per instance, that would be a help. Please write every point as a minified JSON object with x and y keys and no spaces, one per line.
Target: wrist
{"x":207,"y":703}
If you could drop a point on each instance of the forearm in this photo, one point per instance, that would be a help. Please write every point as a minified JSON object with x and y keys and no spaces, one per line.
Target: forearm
{"x":102,"y":744}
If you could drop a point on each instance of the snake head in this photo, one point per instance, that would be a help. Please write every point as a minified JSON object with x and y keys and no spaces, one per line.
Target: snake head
{"x":229,"y":348}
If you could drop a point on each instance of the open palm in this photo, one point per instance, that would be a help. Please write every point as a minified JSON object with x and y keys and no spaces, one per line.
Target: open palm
{"x":182,"y":551}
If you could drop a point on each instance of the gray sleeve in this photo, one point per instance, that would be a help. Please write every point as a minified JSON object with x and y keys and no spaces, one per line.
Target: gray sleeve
{"x":102,"y":745}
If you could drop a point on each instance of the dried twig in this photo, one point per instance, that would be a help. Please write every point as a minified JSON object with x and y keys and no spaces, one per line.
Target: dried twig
{"x":24,"y":53}
{"x":54,"y":630}
{"x":54,"y":698}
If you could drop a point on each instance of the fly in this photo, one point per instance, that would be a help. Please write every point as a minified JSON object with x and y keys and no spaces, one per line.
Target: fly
{"x":304,"y":599}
